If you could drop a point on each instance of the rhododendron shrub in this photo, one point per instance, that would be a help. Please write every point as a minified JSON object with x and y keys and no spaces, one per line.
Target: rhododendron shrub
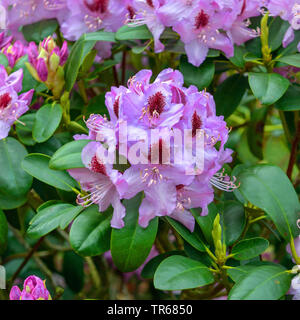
{"x":149,"y":149}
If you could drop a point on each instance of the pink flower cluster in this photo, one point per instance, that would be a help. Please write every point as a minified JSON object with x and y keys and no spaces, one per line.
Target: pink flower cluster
{"x":166,"y":105}
{"x":201,"y":24}
{"x":12,"y":106}
{"x":33,"y":289}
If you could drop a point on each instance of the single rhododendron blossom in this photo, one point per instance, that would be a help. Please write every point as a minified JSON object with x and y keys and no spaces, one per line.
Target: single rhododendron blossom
{"x":33,"y":289}
{"x":164,"y":105}
{"x":12,"y":106}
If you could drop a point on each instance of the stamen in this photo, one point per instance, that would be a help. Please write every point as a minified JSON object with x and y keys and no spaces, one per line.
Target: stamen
{"x":152,"y":175}
{"x":150,"y":3}
{"x":223,"y":182}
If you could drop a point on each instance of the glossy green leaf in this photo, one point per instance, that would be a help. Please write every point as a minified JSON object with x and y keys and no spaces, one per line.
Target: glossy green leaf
{"x":37,"y":165}
{"x":24,"y":129}
{"x":47,"y":120}
{"x":229,"y":94}
{"x":90,"y":232}
{"x":50,"y":218}
{"x":268,"y":87}
{"x":68,"y":156}
{"x":151,"y":266}
{"x":131,"y":245}
{"x":40,"y":30}
{"x":238,"y":58}
{"x":181,"y":273}
{"x":77,"y":56}
{"x":277,"y":30}
{"x":133,"y":33}
{"x":268,"y":188}
{"x":291,"y":99}
{"x":269,"y":282}
{"x":292,"y":60}
{"x":201,"y":77}
{"x":14,"y":181}
{"x":249,"y":248}
{"x":192,"y":238}
{"x":100,"y":36}
{"x":3,"y":232}
{"x":233,"y":221}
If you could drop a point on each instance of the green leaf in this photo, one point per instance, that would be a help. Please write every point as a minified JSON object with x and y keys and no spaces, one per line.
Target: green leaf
{"x":79,"y":51}
{"x":3,"y":60}
{"x":238,"y":58}
{"x":47,"y":121}
{"x":131,"y":245}
{"x":233,"y":221}
{"x":181,"y":273}
{"x":3,"y":232}
{"x":229,"y":94}
{"x":40,"y":30}
{"x":268,"y":188}
{"x":24,"y":132}
{"x":292,"y":60}
{"x":268,"y":87}
{"x":237,"y":273}
{"x":151,"y":266}
{"x":90,"y":232}
{"x":277,"y":30}
{"x":50,"y":218}
{"x":68,"y":156}
{"x":133,"y":33}
{"x":73,"y":271}
{"x":206,"y":222}
{"x":291,"y":99}
{"x":255,"y":131}
{"x":249,"y":248}
{"x":37,"y":165}
{"x":100,"y":36}
{"x":14,"y":181}
{"x":192,"y":238}
{"x":201,"y":77}
{"x":269,"y":282}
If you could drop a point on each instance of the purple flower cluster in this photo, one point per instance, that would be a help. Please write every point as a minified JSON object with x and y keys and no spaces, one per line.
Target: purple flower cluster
{"x":12,"y":106}
{"x":288,"y":10}
{"x":33,"y":289}
{"x":164,"y":105}
{"x":201,"y":24}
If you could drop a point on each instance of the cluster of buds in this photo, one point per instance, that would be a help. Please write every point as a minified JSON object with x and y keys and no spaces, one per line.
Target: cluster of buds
{"x":46,"y":64}
{"x":34,"y":288}
{"x":220,"y":247}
